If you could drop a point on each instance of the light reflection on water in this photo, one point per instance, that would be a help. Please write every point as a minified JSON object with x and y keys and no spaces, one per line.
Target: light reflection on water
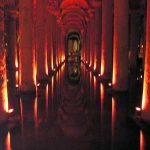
{"x":48,"y":101}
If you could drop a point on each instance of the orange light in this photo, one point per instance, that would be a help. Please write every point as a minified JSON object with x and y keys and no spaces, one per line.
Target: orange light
{"x":35,"y":112}
{"x":46,"y":100}
{"x":142,"y":141}
{"x":21,"y":113}
{"x":17,"y":77}
{"x":114,"y":60}
{"x":52,"y":86}
{"x":102,"y":93}
{"x":8,"y":144}
{"x":102,"y":63}
{"x":113,"y":112}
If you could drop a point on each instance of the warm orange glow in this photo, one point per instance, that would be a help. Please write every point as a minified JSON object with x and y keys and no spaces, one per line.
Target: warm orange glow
{"x":35,"y":112}
{"x":52,"y":60}
{"x":17,"y":78}
{"x":34,"y":67}
{"x":102,"y":62}
{"x":52,"y":85}
{"x":102,"y":97}
{"x":113,"y":113}
{"x":94,"y":84}
{"x":94,"y":65}
{"x":46,"y":95}
{"x":102,"y":92}
{"x":21,"y":113}
{"x":114,"y":60}
{"x":46,"y":58}
{"x":16,"y":62}
{"x":8,"y":144}
{"x":141,"y":140}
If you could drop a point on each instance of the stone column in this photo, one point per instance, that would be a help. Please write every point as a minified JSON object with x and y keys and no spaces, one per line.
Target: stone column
{"x":26,"y":46}
{"x":107,"y":39}
{"x":41,"y":48}
{"x":49,"y":42}
{"x":120,"y":50}
{"x":146,"y":85}
{"x":12,"y":51}
{"x":134,"y":40}
{"x":98,"y":18}
{"x":3,"y":78}
{"x":54,"y":40}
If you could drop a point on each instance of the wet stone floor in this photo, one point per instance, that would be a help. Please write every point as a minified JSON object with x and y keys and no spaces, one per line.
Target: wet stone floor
{"x":75,"y":117}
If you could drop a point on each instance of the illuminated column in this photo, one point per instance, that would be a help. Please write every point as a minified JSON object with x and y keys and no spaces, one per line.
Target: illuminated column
{"x":107,"y":39}
{"x":3,"y":79}
{"x":146,"y":88}
{"x":120,"y":50}
{"x":88,"y":44}
{"x":54,"y":40}
{"x":12,"y":50}
{"x":91,"y":24}
{"x":49,"y":43}
{"x":27,"y":80}
{"x":41,"y":48}
{"x":98,"y":25}
{"x":134,"y":39}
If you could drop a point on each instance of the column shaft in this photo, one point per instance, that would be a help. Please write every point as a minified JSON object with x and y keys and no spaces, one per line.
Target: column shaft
{"x":41,"y":48}
{"x":107,"y":39}
{"x":27,"y":81}
{"x":120,"y":50}
{"x":146,"y":88}
{"x":134,"y":41}
{"x":3,"y":78}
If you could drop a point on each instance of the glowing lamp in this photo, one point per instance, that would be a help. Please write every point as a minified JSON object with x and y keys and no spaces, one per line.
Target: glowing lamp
{"x":17,"y":85}
{"x":137,"y":111}
{"x":99,"y":74}
{"x":10,"y":111}
{"x":38,"y":84}
{"x":109,"y":84}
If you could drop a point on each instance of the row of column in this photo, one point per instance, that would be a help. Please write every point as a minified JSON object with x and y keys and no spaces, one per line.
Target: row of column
{"x":115,"y":47}
{"x":39,"y":37}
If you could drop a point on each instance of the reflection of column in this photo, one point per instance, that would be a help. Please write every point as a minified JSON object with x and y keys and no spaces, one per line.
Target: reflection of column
{"x":26,"y":46}
{"x":3,"y":79}
{"x":41,"y":38}
{"x":134,"y":41}
{"x":120,"y":51}
{"x":146,"y":88}
{"x":107,"y":38}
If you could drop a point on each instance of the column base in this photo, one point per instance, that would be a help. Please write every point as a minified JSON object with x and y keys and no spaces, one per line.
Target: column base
{"x":140,"y":122}
{"x":3,"y":119}
{"x":23,"y":91}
